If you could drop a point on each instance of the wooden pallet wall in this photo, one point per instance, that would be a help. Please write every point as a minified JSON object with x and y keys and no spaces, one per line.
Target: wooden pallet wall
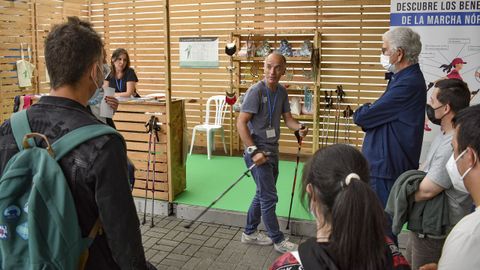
{"x":350,"y":46}
{"x":28,"y":22}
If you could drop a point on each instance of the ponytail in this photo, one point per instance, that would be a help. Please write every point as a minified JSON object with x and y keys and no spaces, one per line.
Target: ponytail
{"x":358,"y":224}
{"x":339,"y":176}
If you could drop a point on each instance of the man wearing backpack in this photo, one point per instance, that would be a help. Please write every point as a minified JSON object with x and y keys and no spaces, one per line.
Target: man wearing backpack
{"x":96,"y":170}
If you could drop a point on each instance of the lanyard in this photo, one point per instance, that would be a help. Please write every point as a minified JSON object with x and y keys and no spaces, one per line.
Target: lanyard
{"x":119,"y":86}
{"x":270,"y":108}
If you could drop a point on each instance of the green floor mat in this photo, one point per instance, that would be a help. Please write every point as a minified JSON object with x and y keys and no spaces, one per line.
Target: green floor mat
{"x":207,"y":179}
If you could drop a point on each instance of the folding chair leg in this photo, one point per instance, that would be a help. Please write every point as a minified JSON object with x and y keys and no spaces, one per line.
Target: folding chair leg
{"x":209,"y":149}
{"x":223,"y":140}
{"x":212,"y":139}
{"x":193,"y":140}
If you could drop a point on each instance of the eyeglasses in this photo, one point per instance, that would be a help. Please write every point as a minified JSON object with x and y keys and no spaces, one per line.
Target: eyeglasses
{"x":384,"y":50}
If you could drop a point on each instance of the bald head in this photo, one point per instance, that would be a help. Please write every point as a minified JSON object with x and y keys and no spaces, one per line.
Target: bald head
{"x":274,"y":68}
{"x":277,"y":54}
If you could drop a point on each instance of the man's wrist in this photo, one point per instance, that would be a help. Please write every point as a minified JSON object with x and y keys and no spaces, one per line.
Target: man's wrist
{"x":302,"y":126}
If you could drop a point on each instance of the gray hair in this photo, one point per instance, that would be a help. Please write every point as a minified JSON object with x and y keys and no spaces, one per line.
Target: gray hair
{"x":406,"y":39}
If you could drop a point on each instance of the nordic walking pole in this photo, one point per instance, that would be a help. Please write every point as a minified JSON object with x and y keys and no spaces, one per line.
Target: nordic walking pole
{"x":219,"y":197}
{"x":299,"y":140}
{"x":155,"y":128}
{"x":149,"y":130}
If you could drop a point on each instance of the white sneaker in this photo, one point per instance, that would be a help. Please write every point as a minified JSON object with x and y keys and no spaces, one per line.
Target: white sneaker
{"x":256,"y":238}
{"x":285,"y":246}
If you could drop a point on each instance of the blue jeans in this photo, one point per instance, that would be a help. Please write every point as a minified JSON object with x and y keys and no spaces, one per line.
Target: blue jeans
{"x":265,"y":199}
{"x":382,"y":187}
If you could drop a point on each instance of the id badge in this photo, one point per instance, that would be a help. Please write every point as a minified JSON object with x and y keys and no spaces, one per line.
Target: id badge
{"x":270,"y":133}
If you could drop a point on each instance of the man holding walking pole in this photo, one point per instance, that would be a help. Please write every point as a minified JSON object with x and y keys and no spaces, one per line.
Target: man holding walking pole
{"x":259,"y":128}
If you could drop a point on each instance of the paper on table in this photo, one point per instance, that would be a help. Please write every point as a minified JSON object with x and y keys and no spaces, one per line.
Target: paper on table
{"x":105,"y":109}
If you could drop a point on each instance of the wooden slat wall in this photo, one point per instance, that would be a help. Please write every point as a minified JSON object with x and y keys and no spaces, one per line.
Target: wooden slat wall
{"x":15,"y":28}
{"x":28,"y":22}
{"x":350,"y":45}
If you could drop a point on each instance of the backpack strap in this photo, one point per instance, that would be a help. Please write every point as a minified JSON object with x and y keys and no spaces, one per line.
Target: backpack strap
{"x":78,"y":136}
{"x":91,"y":236}
{"x":20,"y":127}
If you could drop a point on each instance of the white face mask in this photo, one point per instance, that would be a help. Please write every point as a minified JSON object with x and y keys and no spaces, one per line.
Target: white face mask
{"x":455,"y":177}
{"x":385,"y":62}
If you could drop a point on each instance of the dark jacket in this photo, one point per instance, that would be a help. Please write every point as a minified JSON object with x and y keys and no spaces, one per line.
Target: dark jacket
{"x":96,"y":172}
{"x":426,"y":217}
{"x":393,"y":125}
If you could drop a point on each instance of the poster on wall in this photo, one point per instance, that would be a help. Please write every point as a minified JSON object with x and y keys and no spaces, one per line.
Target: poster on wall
{"x":450,"y":34}
{"x":199,"y":52}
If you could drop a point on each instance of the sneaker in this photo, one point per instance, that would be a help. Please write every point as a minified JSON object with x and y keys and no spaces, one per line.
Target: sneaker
{"x":285,"y":246}
{"x":256,"y":238}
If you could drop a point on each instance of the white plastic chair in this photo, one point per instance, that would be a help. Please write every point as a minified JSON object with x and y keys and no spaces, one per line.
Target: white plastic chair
{"x":209,"y":129}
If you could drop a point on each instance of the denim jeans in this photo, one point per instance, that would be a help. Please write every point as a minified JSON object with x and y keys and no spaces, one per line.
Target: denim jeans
{"x":382,"y":187}
{"x":264,"y":202}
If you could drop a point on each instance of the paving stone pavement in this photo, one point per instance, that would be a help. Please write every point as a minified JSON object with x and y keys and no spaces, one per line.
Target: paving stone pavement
{"x":168,"y":245}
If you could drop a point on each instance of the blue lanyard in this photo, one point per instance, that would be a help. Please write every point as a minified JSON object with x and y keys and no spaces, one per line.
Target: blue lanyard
{"x":119,"y":86}
{"x":270,"y":108}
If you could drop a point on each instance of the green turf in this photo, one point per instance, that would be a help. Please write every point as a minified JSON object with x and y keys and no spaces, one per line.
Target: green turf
{"x":207,"y":179}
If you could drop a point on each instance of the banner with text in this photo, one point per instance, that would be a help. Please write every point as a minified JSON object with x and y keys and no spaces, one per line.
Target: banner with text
{"x":450,"y":33}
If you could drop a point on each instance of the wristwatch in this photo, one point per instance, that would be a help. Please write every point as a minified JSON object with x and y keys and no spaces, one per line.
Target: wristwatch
{"x":251,"y":149}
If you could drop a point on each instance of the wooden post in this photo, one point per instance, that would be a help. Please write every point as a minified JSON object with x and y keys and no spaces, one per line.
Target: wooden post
{"x":316,"y":93}
{"x":168,"y":96}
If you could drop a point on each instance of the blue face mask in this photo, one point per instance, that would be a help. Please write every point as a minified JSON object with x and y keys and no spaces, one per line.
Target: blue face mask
{"x":96,"y":98}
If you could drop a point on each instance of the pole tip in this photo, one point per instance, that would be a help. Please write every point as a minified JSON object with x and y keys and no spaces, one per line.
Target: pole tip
{"x":187,"y":226}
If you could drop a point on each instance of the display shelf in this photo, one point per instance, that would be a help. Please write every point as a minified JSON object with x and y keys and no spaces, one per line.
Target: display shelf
{"x":299,"y":74}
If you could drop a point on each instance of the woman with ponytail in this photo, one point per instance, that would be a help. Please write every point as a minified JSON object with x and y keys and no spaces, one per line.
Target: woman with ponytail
{"x":349,"y":217}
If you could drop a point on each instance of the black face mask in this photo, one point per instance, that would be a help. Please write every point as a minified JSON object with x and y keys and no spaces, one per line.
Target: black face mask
{"x":431,"y":114}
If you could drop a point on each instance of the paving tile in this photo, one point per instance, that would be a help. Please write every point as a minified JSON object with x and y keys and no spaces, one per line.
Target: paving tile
{"x":170,"y":262}
{"x":209,"y":231}
{"x":180,"y":248}
{"x":191,"y":264}
{"x":171,"y":234}
{"x":167,"y":242}
{"x":211,"y":242}
{"x":191,"y":250}
{"x":193,"y":241}
{"x":204,"y":264}
{"x":222,"y":243}
{"x":181,"y":236}
{"x":178,"y":257}
{"x":158,"y":257}
{"x":168,"y":245}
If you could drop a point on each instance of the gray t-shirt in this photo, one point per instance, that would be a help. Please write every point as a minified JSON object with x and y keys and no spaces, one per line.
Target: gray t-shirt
{"x":437,"y":157}
{"x":258,"y":101}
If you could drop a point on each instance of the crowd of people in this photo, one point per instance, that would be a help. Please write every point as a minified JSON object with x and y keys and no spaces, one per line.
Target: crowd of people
{"x":359,"y":199}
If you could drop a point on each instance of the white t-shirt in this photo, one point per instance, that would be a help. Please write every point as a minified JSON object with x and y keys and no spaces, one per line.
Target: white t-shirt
{"x":462,"y":247}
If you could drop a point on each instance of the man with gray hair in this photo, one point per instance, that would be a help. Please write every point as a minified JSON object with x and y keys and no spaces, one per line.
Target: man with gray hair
{"x":393,"y":124}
